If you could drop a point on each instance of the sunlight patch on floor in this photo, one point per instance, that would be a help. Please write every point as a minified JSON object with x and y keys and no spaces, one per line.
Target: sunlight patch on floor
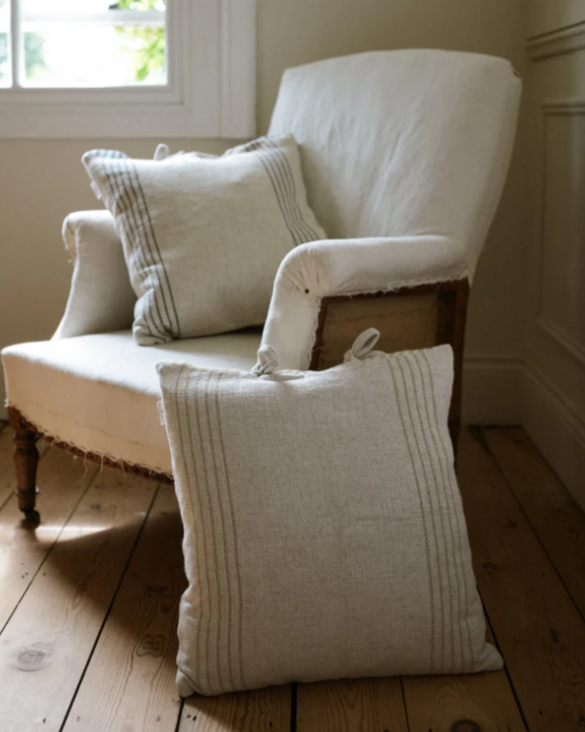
{"x":49,"y":531}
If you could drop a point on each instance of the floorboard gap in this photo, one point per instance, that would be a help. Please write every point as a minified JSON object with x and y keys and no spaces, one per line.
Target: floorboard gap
{"x":109,"y":610}
{"x":405,"y":705}
{"x":180,"y":715}
{"x":293,"y":707}
{"x":53,"y":545}
{"x":6,"y":501}
{"x":506,"y":670}
{"x":485,"y":445}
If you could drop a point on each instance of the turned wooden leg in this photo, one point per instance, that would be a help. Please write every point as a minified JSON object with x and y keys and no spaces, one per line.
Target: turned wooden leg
{"x":26,"y":458}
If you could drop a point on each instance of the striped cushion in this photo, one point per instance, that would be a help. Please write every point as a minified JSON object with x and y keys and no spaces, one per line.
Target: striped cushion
{"x":324,"y":532}
{"x":203,"y":236}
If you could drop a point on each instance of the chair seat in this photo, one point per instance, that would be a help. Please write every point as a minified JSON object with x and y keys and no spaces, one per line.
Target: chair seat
{"x":100,"y":392}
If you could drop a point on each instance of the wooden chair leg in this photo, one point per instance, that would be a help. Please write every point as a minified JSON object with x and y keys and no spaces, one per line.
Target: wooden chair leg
{"x":26,"y":458}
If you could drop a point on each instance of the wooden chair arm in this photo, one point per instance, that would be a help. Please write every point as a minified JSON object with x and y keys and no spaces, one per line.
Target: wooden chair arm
{"x":408,"y":319}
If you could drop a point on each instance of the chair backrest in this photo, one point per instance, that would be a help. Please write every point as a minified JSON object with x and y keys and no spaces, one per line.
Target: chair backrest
{"x":403,"y":143}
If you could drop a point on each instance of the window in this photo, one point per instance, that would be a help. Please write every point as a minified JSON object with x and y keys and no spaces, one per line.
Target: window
{"x":125,"y":68}
{"x":92,"y":43}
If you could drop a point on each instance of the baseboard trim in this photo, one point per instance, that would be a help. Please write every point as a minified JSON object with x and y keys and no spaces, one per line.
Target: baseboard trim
{"x":492,"y":389}
{"x":557,"y":429}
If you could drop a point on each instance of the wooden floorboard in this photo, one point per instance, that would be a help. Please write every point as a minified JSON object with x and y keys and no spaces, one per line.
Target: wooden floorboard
{"x":351,"y":706}
{"x":91,"y":599}
{"x":268,"y":710}
{"x":23,"y":548}
{"x":465,"y":703}
{"x":7,"y":479}
{"x":49,"y":638}
{"x":137,"y":648}
{"x":536,"y":624}
{"x":549,"y":507}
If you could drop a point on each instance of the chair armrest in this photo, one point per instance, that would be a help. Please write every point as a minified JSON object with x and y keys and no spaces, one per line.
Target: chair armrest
{"x":348,"y":267}
{"x":101,"y":299}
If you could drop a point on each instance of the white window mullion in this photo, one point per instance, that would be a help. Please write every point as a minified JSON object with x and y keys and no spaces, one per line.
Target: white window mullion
{"x":152,"y":18}
{"x":209,"y":89}
{"x":15,"y":46}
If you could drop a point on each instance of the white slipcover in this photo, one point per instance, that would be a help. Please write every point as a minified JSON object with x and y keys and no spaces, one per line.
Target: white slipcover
{"x":99,"y":392}
{"x":101,"y":298}
{"x":411,"y":145}
{"x":404,"y":156}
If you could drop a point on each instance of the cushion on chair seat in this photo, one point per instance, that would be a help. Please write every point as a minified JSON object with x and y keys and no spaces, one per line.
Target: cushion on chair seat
{"x":99,"y":392}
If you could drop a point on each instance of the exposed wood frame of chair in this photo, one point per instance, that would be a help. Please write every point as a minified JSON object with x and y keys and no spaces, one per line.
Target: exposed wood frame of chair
{"x":428,"y":315}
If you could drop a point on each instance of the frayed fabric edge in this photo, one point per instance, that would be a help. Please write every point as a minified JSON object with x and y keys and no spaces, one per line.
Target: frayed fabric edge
{"x":278,"y":323}
{"x":101,"y":458}
{"x":396,"y":287}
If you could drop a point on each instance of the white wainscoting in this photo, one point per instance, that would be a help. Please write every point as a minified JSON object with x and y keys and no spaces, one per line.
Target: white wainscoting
{"x":553,"y":16}
{"x":553,"y":403}
{"x":557,"y":428}
{"x":561,"y":41}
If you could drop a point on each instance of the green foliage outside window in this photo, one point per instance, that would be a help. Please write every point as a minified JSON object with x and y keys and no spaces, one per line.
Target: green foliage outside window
{"x":33,"y":52}
{"x":148,"y":44}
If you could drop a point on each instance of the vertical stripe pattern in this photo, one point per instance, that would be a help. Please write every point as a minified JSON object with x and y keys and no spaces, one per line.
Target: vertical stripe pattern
{"x":218,"y":638}
{"x":450,"y":645}
{"x":117,"y":178}
{"x":126,"y":199}
{"x":394,"y":575}
{"x":281,"y":177}
{"x":455,"y":516}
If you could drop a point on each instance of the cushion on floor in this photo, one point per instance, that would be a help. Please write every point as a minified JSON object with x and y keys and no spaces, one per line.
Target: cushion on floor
{"x":99,"y":392}
{"x":324,"y":531}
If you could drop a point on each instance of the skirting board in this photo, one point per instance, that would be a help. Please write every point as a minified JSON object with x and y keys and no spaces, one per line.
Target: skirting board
{"x":557,"y":430}
{"x":492,"y":389}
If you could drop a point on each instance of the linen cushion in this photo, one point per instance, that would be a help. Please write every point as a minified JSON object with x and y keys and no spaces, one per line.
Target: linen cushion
{"x":324,"y":532}
{"x":203,"y":236}
{"x":99,"y":392}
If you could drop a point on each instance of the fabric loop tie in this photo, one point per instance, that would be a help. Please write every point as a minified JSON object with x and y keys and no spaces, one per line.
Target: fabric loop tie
{"x":161,"y":152}
{"x":267,"y":361}
{"x":363,"y":345}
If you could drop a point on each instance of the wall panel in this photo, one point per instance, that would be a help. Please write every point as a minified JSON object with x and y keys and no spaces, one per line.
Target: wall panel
{"x":553,"y":409}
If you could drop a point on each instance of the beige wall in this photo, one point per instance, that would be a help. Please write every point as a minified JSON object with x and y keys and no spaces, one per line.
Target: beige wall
{"x":41,"y":181}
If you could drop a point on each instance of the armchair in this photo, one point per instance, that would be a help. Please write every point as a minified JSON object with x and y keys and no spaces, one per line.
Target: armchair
{"x":404,"y":153}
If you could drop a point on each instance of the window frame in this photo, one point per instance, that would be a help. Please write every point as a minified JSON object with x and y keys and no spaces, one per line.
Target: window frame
{"x":210,"y":90}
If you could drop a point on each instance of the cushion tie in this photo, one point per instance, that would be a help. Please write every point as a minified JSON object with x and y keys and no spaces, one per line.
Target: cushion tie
{"x":267,"y":361}
{"x":363,"y":345}
{"x":162,"y":151}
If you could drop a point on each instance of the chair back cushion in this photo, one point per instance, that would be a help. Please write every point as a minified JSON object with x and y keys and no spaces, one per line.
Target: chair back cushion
{"x":403,"y":143}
